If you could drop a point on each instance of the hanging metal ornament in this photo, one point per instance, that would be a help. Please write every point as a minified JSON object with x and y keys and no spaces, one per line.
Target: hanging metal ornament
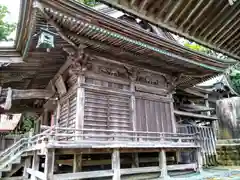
{"x":46,"y":39}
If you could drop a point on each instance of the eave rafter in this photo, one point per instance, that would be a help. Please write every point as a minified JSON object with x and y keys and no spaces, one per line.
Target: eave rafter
{"x":149,"y":47}
{"x":205,"y":22}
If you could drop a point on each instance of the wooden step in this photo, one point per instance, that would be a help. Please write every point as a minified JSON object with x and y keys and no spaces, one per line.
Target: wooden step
{"x":17,"y":161}
{"x":7,"y":169}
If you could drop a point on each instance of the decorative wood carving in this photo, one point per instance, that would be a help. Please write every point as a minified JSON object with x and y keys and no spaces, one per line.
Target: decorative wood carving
{"x":152,"y":79}
{"x":172,"y":82}
{"x":132,"y":73}
{"x":110,"y":70}
{"x":80,"y":64}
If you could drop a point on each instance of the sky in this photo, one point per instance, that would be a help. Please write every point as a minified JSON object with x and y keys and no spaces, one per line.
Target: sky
{"x":13,"y":8}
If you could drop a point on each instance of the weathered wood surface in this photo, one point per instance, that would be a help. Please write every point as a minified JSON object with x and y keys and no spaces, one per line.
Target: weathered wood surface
{"x":127,"y":171}
{"x":198,"y":28}
{"x":199,"y":116}
{"x":37,"y":174}
{"x":27,"y":94}
{"x":206,"y":141}
{"x":83,"y":175}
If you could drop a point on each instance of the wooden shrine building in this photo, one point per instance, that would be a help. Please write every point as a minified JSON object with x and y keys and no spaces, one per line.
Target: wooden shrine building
{"x":103,"y":88}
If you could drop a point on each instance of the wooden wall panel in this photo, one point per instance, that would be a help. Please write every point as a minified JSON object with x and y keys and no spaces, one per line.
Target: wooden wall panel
{"x":153,"y":116}
{"x":68,"y":112}
{"x":106,"y":112}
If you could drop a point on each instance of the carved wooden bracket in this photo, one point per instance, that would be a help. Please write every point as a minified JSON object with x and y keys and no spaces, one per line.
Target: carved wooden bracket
{"x":172,"y":82}
{"x":132,"y":73}
{"x":80,"y":63}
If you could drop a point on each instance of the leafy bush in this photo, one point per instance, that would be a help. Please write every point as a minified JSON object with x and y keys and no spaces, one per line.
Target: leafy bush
{"x":5,"y":28}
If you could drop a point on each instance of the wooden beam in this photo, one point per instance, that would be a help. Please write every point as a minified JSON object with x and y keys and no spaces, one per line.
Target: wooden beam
{"x":196,"y":108}
{"x":199,"y":116}
{"x":22,"y":109}
{"x":10,"y":59}
{"x":195,"y":93}
{"x":83,"y":175}
{"x":27,"y":94}
{"x":37,"y":174}
{"x":13,"y":178}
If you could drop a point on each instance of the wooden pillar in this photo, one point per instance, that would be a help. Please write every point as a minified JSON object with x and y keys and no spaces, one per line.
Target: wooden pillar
{"x":27,"y":164}
{"x":173,"y":115}
{"x":163,"y":164}
{"x":178,"y":156}
{"x":37,"y":127}
{"x":80,"y":102}
{"x":35,"y":164}
{"x":135,"y":160}
{"x":199,"y":160}
{"x":199,"y":157}
{"x":55,"y":123}
{"x":116,"y":164}
{"x":133,"y":105}
{"x":3,"y":143}
{"x":49,"y":164}
{"x":207,"y":105}
{"x":77,"y":163}
{"x":45,"y":117}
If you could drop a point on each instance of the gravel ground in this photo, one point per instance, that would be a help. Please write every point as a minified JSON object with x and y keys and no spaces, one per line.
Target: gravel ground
{"x":220,"y":173}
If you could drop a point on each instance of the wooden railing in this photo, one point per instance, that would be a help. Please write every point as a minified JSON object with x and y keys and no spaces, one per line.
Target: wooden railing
{"x":70,"y":135}
{"x":207,"y":141}
{"x":14,"y":151}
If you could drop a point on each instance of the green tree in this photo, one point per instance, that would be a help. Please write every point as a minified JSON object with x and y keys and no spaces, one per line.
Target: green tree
{"x":5,"y":28}
{"x":88,"y":2}
{"x":199,"y":48}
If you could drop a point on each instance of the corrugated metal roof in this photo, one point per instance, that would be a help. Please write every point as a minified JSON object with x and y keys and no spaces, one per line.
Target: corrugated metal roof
{"x":213,"y":23}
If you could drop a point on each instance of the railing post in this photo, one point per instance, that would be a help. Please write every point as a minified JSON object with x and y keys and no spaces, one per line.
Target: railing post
{"x":27,"y":164}
{"x":198,"y":153}
{"x":29,"y":137}
{"x":35,"y":164}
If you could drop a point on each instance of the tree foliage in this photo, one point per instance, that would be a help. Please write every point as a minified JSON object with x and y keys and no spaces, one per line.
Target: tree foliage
{"x":90,"y":3}
{"x":5,"y":28}
{"x":196,"y":47}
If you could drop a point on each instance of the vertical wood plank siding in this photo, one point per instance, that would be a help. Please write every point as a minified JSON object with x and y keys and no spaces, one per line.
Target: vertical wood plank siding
{"x":68,"y":112}
{"x":153,"y":115}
